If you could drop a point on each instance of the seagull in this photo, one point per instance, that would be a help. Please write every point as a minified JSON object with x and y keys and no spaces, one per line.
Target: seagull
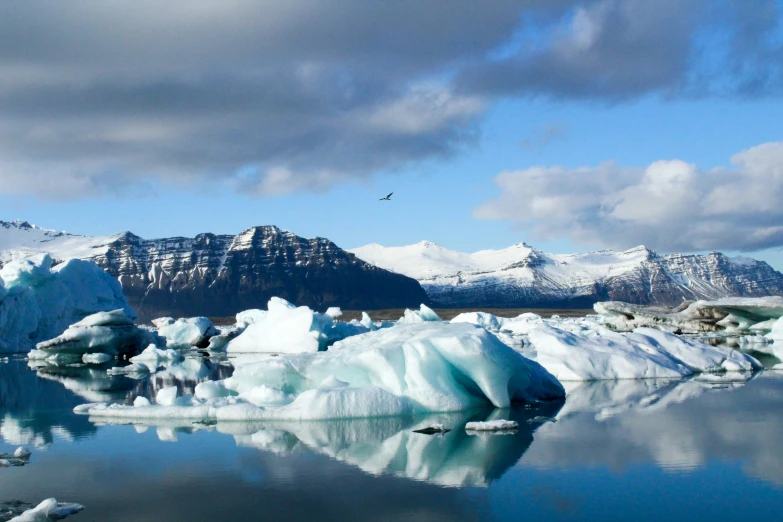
{"x":387,"y":198}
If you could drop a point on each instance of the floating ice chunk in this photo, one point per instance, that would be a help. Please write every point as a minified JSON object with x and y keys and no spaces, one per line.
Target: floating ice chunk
{"x":284,"y":329}
{"x":211,"y":390}
{"x":96,"y":358}
{"x":367,"y":322}
{"x":192,"y":331}
{"x":152,"y":356}
{"x":140,"y":402}
{"x":485,"y":320}
{"x":36,"y":355}
{"x":111,"y":318}
{"x":427,"y":367}
{"x":778,"y":367}
{"x":493,"y":425}
{"x":645,"y":353}
{"x":22,"y":453}
{"x":249,"y":317}
{"x":166,"y":396}
{"x":160,"y":322}
{"x":105,"y":332}
{"x":334,"y":312}
{"x":47,"y":510}
{"x":423,"y":314}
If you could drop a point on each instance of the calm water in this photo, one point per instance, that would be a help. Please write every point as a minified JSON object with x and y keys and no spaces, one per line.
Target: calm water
{"x":640,"y":450}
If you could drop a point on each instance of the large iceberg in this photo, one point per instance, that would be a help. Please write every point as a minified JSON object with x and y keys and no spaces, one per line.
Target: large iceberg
{"x":404,"y":370}
{"x":642,"y":354}
{"x":39,"y":301}
{"x":732,"y":315}
{"x":110,"y":333}
{"x":582,"y":349}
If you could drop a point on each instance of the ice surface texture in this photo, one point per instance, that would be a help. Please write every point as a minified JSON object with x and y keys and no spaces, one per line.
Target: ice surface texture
{"x":407,"y":369}
{"x":39,"y":301}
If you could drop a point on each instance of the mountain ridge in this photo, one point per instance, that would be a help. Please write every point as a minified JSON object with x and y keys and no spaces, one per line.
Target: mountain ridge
{"x":522,"y":276}
{"x":220,"y":275}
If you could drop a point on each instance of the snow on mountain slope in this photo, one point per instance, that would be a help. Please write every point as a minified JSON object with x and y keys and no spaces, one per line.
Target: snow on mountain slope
{"x":19,"y":239}
{"x":220,"y":275}
{"x":523,"y":276}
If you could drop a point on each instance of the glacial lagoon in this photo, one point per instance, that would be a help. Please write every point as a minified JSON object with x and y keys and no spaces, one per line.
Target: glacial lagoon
{"x":702,"y":448}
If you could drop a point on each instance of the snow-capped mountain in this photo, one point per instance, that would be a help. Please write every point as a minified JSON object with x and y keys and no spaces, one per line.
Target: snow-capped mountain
{"x":220,"y":275}
{"x":521,"y":276}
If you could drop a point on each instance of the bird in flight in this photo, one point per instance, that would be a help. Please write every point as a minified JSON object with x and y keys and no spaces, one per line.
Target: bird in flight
{"x":387,"y":198}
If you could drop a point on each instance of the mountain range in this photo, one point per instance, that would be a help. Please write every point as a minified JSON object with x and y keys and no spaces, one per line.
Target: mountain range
{"x":219,"y":275}
{"x":521,"y":276}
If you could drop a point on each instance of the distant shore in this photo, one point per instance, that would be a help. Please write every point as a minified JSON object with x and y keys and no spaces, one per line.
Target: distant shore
{"x":392,"y":314}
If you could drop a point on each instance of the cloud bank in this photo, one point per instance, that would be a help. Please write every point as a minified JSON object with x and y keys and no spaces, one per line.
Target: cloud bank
{"x":271,"y":97}
{"x":669,"y":205}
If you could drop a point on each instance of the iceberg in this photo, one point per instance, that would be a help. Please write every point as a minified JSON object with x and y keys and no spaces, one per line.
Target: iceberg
{"x":404,"y":370}
{"x":600,"y":353}
{"x":38,"y":301}
{"x":47,"y":510}
{"x":423,"y":314}
{"x":110,"y":333}
{"x":732,"y":315}
{"x":285,"y":328}
{"x":153,"y":357}
{"x":191,"y":331}
{"x":494,"y":425}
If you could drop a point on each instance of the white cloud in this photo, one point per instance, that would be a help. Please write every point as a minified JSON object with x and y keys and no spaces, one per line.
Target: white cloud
{"x":669,"y":205}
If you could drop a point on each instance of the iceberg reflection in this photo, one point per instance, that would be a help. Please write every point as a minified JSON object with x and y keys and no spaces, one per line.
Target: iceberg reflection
{"x":388,"y":446}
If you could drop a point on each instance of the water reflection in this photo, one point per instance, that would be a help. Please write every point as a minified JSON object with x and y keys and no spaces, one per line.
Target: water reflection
{"x":676,"y":425}
{"x":388,"y":446}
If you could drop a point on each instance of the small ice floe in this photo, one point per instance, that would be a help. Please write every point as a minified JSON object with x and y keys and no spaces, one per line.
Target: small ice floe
{"x":493,"y":425}
{"x":3,"y":360}
{"x":432,"y":430}
{"x":778,"y":367}
{"x":49,"y":509}
{"x":20,"y":457}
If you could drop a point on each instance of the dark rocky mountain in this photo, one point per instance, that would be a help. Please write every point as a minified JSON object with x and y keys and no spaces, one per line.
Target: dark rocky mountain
{"x":220,"y":275}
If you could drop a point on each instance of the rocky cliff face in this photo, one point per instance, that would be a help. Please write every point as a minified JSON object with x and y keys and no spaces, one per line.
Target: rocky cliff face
{"x":521,"y":276}
{"x":220,"y":275}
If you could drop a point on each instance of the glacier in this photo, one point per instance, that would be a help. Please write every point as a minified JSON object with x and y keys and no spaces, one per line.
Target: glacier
{"x":39,"y":300}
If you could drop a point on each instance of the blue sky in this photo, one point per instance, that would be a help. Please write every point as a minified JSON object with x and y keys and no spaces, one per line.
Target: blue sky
{"x":454,"y":128}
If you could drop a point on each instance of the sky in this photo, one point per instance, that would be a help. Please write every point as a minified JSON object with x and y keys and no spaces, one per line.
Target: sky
{"x":569,"y":125}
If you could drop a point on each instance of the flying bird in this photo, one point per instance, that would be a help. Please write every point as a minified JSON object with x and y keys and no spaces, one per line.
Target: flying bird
{"x":387,"y":198}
